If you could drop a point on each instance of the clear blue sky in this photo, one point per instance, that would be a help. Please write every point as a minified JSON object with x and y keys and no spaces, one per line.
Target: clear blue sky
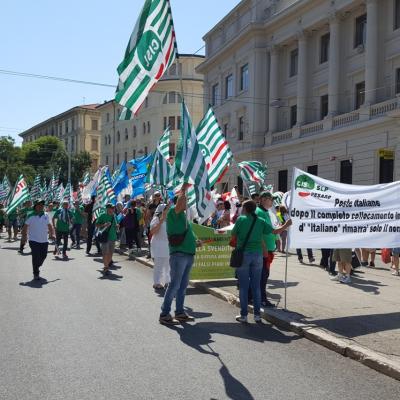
{"x":77,"y":39}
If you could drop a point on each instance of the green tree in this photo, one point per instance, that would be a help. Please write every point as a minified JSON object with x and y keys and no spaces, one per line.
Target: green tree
{"x":41,"y":152}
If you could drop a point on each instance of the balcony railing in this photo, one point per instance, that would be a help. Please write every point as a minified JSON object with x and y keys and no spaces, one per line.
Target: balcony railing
{"x":364,"y":114}
{"x":279,"y":137}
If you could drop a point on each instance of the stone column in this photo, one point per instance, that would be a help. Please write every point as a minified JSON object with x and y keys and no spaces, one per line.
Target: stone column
{"x":302,"y":80}
{"x":273,"y":89}
{"x":371,"y":56}
{"x":334,"y":66}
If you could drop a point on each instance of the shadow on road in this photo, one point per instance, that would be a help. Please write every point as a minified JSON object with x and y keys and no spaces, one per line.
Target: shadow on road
{"x":359,"y":325}
{"x":38,"y":284}
{"x":199,"y":337}
{"x":110,"y":277}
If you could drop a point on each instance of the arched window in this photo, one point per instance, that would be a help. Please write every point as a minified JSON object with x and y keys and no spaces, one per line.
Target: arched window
{"x":126,"y":133}
{"x":165,"y":100}
{"x":134,"y":131}
{"x":109,"y":139}
{"x":172,"y":97}
{"x":118,"y":137}
{"x":148,"y":126}
{"x":144,"y":128}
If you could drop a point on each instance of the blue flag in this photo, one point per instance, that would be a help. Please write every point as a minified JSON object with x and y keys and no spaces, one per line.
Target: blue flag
{"x":122,"y":180}
{"x":138,"y":185}
{"x":141,"y":165}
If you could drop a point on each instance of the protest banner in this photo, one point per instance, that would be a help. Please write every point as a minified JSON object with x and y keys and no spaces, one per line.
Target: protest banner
{"x":212,"y":259}
{"x":333,"y":215}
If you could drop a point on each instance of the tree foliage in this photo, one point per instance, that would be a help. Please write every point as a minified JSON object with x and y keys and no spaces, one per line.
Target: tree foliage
{"x":42,"y":156}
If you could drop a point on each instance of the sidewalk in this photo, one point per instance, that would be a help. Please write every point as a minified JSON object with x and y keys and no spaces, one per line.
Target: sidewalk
{"x":360,"y":320}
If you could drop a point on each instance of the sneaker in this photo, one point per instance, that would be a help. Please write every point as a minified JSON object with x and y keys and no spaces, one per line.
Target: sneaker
{"x":311,"y":260}
{"x":372,"y":264}
{"x":267,"y":303}
{"x":106,"y":272}
{"x":36,"y":277}
{"x":301,"y":261}
{"x":345,"y":279}
{"x":184,"y":317}
{"x":65,"y":256}
{"x":396,"y":273}
{"x":337,"y":277}
{"x":241,"y":318}
{"x":168,"y":320}
{"x":257,"y":319}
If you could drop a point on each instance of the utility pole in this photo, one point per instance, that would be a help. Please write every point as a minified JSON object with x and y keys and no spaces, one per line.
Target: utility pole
{"x":69,"y":162}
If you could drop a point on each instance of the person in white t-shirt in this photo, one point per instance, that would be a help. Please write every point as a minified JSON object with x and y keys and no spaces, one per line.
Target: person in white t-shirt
{"x":38,"y":227}
{"x":159,"y":247}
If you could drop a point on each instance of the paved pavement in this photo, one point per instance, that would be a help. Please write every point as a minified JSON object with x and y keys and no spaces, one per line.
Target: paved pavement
{"x":77,"y":336}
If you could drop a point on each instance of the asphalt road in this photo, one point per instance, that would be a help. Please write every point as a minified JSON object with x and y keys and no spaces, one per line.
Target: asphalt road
{"x":76,"y":336}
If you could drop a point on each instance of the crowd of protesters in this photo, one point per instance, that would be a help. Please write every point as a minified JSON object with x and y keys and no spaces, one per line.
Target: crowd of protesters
{"x":259,"y":231}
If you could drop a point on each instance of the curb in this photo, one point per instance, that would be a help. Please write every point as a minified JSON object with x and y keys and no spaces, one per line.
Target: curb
{"x":284,"y":319}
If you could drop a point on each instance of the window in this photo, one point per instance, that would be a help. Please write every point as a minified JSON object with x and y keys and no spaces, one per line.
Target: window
{"x":179,"y":98}
{"x":241,"y":128}
{"x":66,"y":126}
{"x":324,"y":106}
{"x":361,"y":30}
{"x":146,"y":102}
{"x":386,"y":166}
{"x":215,"y":94}
{"x":126,"y":156}
{"x":72,"y":143}
{"x":108,"y":119}
{"x":134,"y":154}
{"x":282,"y":180}
{"x":118,"y":137}
{"x":397,"y":80}
{"x":293,"y":116}
{"x":126,"y":134}
{"x":95,"y":145}
{"x":324,"y":50}
{"x":171,"y":123}
{"x":145,"y":150}
{"x":172,"y":149}
{"x":396,"y":14}
{"x":148,"y":126}
{"x":240,"y":184}
{"x":165,"y":123}
{"x":165,"y":99}
{"x":73,"y":124}
{"x":95,"y":125}
{"x":60,"y":129}
{"x":106,"y":160}
{"x":180,"y":69}
{"x":313,"y":169}
{"x":134,"y":131}
{"x":294,"y":62}
{"x":178,"y":122}
{"x":171,"y":97}
{"x":244,"y":77}
{"x":229,"y":86}
{"x":144,"y":128}
{"x":225,"y":130}
{"x":117,"y":158}
{"x":346,"y":171}
{"x":360,"y":95}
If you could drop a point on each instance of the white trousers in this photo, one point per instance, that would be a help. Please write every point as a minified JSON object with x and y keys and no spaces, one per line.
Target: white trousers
{"x":161,"y":270}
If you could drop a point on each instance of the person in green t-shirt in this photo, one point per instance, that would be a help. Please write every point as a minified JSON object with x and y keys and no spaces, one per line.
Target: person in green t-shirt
{"x":182,"y":248}
{"x":12,"y":222}
{"x":249,"y":273}
{"x":23,"y":214}
{"x":107,"y":222}
{"x":77,"y":221}
{"x":63,"y":216}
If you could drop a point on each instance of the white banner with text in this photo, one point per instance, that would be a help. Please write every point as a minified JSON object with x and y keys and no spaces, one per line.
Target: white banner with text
{"x":333,"y":215}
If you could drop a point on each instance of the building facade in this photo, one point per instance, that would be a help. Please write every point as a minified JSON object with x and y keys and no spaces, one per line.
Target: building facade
{"x":125,"y":140}
{"x":313,"y":84}
{"x":78,"y":128}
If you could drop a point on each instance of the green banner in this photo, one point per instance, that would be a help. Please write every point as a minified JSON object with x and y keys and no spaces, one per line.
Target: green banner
{"x":212,"y":259}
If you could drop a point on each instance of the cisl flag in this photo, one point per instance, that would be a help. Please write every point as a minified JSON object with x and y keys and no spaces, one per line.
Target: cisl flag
{"x":334,"y":215}
{"x":20,"y":195}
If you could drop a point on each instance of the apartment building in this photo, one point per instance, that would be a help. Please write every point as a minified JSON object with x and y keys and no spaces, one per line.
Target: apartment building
{"x":126,"y":140}
{"x":313,"y":84}
{"x":78,"y":128}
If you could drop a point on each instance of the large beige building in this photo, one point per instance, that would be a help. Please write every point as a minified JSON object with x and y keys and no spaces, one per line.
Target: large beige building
{"x":309,"y":83}
{"x":125,"y":140}
{"x":78,"y":128}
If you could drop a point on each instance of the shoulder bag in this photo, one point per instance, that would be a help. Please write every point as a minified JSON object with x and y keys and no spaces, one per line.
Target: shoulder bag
{"x":238,"y":253}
